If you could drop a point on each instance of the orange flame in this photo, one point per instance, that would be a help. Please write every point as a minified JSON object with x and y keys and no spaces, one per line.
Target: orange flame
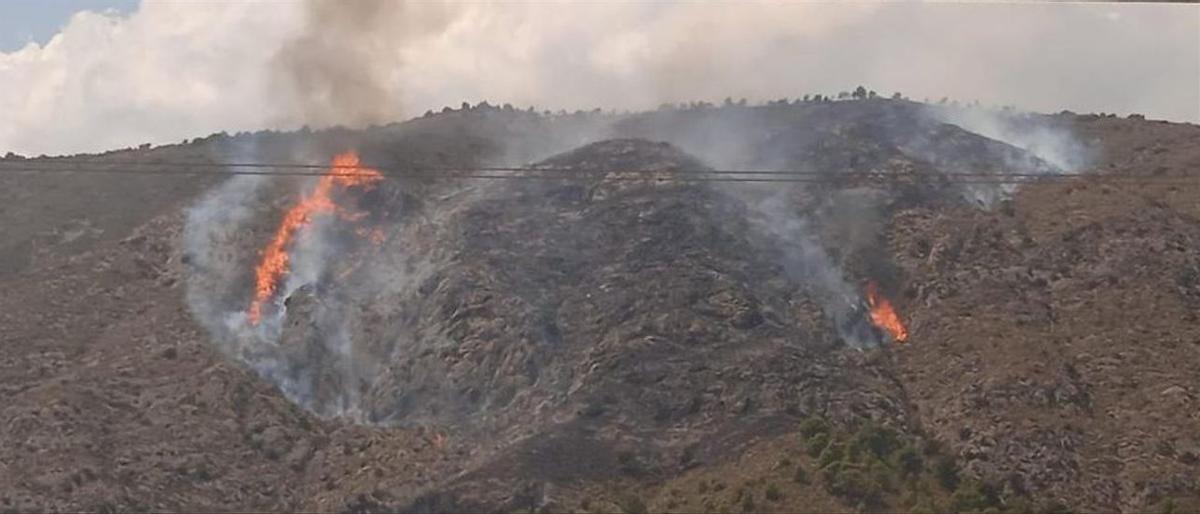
{"x":344,"y":172}
{"x":883,"y":315}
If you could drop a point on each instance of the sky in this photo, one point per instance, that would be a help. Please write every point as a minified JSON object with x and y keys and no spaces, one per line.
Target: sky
{"x":26,"y":21}
{"x":79,"y":76}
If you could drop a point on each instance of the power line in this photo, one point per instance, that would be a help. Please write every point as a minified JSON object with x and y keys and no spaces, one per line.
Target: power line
{"x":552,"y":169}
{"x":564,"y":173}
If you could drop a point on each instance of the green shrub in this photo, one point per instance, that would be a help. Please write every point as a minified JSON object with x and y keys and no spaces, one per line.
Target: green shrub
{"x":925,"y":505}
{"x":801,"y":475}
{"x":773,"y":494}
{"x":909,"y":461}
{"x":747,"y":502}
{"x":1054,"y":507}
{"x":813,"y":426}
{"x":946,"y":472}
{"x":834,"y":452}
{"x":974,"y":496}
{"x":817,"y":444}
{"x":881,"y":441}
{"x":830,"y":472}
{"x":932,"y":447}
{"x":881,"y":474}
{"x":865,"y":465}
{"x":852,"y":484}
{"x":630,"y":504}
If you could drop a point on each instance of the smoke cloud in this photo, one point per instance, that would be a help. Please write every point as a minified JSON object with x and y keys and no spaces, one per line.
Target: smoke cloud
{"x":805,"y":261}
{"x":345,"y":66}
{"x":1036,"y":135}
{"x":174,"y":70}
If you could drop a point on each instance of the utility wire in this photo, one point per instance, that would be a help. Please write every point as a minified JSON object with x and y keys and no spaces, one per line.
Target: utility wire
{"x":550,"y":169}
{"x":563,"y":173}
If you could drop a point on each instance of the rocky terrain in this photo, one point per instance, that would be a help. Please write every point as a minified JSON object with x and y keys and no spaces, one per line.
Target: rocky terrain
{"x":612,"y":341}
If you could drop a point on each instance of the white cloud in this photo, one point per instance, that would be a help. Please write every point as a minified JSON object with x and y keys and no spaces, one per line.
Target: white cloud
{"x":174,"y":70}
{"x":167,"y":72}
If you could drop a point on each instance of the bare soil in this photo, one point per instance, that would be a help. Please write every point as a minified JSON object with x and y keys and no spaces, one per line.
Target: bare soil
{"x":633,"y":346}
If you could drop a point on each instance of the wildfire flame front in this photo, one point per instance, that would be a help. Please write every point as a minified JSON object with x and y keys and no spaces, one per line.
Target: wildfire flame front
{"x":883,"y":315}
{"x":344,"y":172}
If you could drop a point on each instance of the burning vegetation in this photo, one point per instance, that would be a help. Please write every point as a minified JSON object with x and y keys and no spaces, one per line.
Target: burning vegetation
{"x":883,"y":315}
{"x":506,"y":306}
{"x":472,"y":271}
{"x":344,"y":172}
{"x":633,"y":330}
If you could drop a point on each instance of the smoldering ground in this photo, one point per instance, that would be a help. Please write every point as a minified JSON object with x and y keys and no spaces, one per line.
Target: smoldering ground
{"x":337,"y":319}
{"x":341,"y":316}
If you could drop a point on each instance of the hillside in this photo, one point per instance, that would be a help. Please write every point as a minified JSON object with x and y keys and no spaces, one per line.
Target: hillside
{"x":630,"y":339}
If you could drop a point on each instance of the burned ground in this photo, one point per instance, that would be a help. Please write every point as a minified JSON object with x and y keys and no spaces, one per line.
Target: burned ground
{"x":638,"y":345}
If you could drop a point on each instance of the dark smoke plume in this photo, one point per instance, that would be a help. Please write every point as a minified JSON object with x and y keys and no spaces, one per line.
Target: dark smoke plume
{"x":348,"y":65}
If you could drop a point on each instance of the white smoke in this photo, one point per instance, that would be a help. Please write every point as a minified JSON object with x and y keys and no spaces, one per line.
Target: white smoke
{"x":805,"y":261}
{"x":306,"y":348}
{"x":175,"y":70}
{"x":1056,"y":145}
{"x":210,"y":235}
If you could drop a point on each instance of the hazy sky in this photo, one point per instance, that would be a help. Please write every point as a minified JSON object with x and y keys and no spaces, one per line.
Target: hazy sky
{"x":165,"y":71}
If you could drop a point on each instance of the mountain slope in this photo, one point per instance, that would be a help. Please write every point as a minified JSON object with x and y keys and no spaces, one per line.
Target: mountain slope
{"x":606,"y":344}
